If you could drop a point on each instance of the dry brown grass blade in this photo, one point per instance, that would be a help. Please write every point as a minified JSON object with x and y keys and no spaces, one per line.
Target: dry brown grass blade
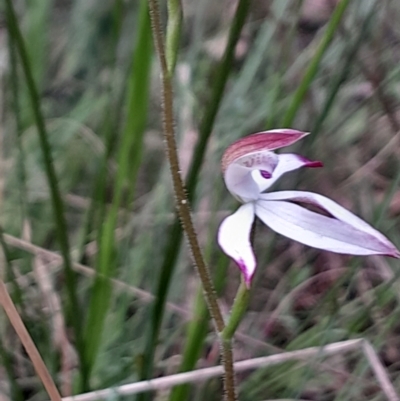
{"x":249,"y":364}
{"x":85,"y":270}
{"x":148,"y":297}
{"x":51,"y":300}
{"x":26,"y":340}
{"x":380,"y":372}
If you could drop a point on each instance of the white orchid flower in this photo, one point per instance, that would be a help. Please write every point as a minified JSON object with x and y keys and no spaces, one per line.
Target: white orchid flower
{"x":250,"y":167}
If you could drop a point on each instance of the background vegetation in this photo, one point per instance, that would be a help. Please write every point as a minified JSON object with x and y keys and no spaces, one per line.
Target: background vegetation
{"x":122,"y":302}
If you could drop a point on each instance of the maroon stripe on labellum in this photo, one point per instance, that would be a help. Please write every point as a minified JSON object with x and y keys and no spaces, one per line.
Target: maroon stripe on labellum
{"x":266,"y":174}
{"x":267,"y":140}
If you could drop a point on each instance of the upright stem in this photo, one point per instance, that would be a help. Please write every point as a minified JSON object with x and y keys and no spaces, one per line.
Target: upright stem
{"x":229,"y":371}
{"x":182,"y":203}
{"x":238,"y":310}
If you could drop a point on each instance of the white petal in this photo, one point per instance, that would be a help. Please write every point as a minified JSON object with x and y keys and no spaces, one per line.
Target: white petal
{"x":234,"y":239}
{"x":239,"y":178}
{"x":286,"y":162}
{"x":342,"y":233}
{"x":240,"y":183}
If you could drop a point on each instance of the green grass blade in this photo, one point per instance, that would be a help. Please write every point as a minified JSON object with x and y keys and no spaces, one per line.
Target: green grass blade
{"x":340,"y":78}
{"x":110,"y":124}
{"x":219,"y":83}
{"x":197,"y":331}
{"x":173,"y":35}
{"x":37,"y":37}
{"x":15,"y":94}
{"x":129,"y":159}
{"x":58,"y":208}
{"x":312,"y":69}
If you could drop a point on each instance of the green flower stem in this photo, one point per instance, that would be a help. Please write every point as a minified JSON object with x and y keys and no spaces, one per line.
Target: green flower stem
{"x":173,"y":34}
{"x":175,"y":235}
{"x":182,"y":203}
{"x":238,"y":310}
{"x":312,"y":69}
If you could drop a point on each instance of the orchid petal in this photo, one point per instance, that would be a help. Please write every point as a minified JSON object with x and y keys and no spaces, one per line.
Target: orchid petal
{"x":234,"y":239}
{"x":239,"y":178}
{"x":286,"y":162}
{"x":342,"y":233}
{"x":261,"y":141}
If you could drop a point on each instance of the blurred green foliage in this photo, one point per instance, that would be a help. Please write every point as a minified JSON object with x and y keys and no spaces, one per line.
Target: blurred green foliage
{"x":96,"y":178}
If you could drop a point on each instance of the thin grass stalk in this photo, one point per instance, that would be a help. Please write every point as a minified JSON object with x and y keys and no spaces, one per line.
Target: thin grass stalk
{"x":312,"y":69}
{"x":118,"y":14}
{"x":350,"y":55}
{"x":175,"y":235}
{"x":197,"y":330}
{"x":219,"y":83}
{"x":37,"y":38}
{"x":10,"y":276}
{"x":284,"y":61}
{"x":96,"y":212}
{"x":173,"y":36}
{"x":300,"y":356}
{"x":15,"y":95}
{"x":73,"y":309}
{"x":129,"y":159}
{"x":26,"y":340}
{"x":195,"y":336}
{"x":183,"y":206}
{"x":5,"y":355}
{"x":21,"y":170}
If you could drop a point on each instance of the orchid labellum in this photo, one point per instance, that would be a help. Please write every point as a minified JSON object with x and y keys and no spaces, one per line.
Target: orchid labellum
{"x":250,"y":167}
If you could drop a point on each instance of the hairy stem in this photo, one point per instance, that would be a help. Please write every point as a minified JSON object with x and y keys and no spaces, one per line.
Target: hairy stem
{"x":182,"y":203}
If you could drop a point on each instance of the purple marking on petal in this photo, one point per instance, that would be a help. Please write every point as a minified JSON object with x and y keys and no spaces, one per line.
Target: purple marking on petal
{"x":244,"y":270}
{"x":314,"y":164}
{"x":310,"y":163}
{"x":340,"y":232}
{"x":265,"y":174}
{"x":395,"y":254}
